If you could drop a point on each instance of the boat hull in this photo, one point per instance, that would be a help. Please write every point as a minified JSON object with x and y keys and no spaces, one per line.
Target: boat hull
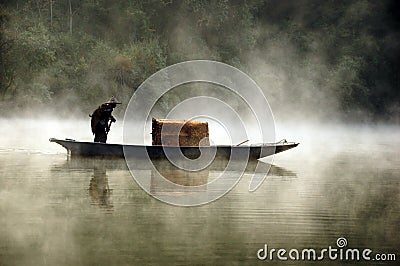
{"x":95,"y":149}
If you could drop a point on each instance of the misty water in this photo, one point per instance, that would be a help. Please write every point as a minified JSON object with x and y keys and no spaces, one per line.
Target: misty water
{"x":341,"y":181}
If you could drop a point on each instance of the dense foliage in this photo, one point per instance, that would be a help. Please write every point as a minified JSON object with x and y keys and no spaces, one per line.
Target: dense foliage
{"x":69,"y":53}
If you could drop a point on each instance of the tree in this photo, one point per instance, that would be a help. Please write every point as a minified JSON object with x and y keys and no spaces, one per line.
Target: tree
{"x":7,"y":73}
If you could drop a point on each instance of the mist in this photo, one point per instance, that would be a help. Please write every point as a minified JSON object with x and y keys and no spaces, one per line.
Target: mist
{"x":329,"y":70}
{"x":315,"y":61}
{"x":31,"y":135}
{"x":340,"y":180}
{"x":309,"y":67}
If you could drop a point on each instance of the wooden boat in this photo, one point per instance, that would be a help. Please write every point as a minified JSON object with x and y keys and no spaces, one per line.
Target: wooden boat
{"x":96,"y":149}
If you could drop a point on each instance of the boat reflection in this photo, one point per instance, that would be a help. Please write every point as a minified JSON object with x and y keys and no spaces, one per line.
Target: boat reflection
{"x":277,"y":171}
{"x":167,"y":178}
{"x":161,"y":178}
{"x":169,"y":183}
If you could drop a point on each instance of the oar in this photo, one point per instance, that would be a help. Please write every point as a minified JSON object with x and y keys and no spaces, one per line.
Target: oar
{"x":109,"y":126}
{"x":242,"y":142}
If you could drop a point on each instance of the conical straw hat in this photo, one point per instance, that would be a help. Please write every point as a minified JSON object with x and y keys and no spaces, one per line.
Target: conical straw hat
{"x":113,"y":100}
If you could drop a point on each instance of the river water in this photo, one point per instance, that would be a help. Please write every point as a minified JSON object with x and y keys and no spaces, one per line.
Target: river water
{"x":341,"y":181}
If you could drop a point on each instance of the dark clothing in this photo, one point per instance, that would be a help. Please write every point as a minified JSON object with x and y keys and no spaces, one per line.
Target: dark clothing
{"x":100,"y":135}
{"x":100,"y":122}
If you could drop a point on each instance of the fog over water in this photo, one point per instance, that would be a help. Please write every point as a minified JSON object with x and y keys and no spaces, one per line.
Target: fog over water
{"x":341,"y":181}
{"x":33,"y":134}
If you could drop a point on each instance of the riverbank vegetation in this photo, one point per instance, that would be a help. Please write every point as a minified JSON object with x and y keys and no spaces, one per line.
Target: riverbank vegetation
{"x":69,"y":55}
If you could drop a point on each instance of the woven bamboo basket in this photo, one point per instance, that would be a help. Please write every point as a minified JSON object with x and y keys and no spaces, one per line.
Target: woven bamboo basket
{"x":168,"y":132}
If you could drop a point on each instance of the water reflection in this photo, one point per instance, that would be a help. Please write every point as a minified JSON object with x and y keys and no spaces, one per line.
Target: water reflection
{"x":162,"y":177}
{"x":99,"y":189}
{"x":277,"y":171}
{"x":165,"y":176}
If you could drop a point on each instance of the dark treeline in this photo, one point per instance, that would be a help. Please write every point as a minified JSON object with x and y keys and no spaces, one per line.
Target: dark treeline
{"x":74,"y":54}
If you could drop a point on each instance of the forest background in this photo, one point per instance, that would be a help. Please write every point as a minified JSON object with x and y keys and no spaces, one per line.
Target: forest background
{"x":322,"y":59}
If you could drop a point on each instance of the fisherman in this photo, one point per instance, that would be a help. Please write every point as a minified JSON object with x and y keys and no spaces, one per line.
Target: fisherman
{"x":102,"y":119}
